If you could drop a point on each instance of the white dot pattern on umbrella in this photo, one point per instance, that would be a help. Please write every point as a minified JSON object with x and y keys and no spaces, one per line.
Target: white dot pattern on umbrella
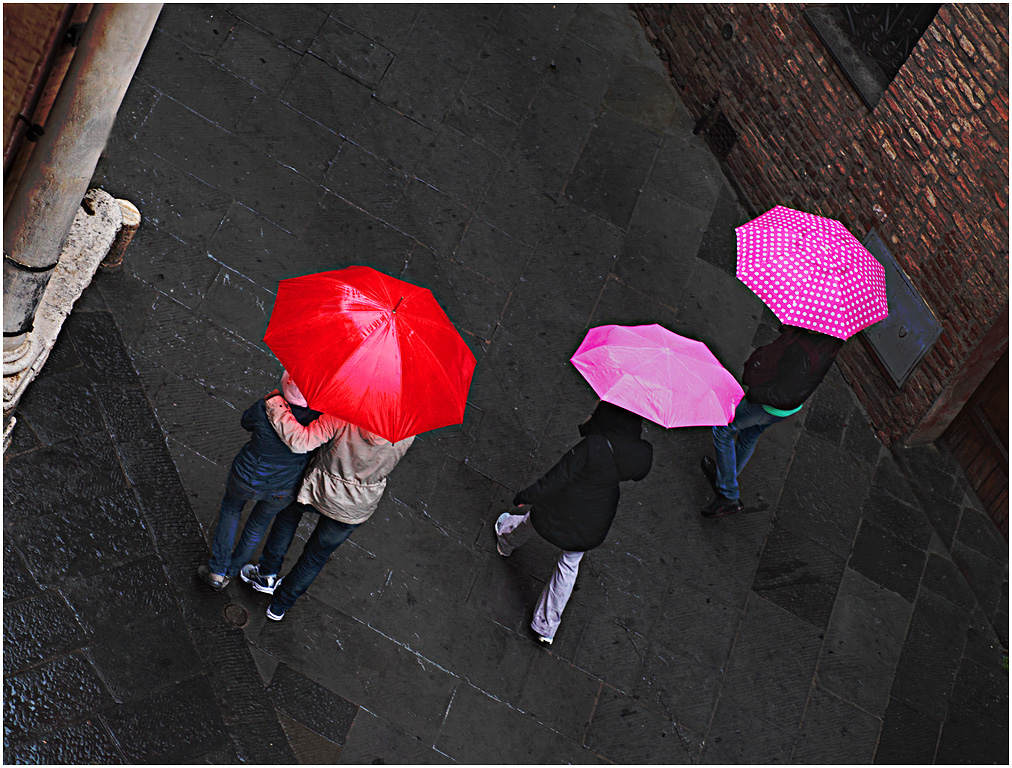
{"x":811,"y":272}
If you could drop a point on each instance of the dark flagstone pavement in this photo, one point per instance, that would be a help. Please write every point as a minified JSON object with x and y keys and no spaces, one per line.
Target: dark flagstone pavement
{"x":534,"y":168}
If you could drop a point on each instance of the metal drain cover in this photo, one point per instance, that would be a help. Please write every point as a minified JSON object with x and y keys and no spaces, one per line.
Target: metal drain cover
{"x":236,"y":615}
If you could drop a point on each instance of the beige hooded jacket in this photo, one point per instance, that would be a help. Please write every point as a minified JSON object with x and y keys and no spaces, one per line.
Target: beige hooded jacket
{"x":347,"y":477}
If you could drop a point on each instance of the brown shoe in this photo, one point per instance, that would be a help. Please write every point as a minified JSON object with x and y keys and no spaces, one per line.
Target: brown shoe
{"x":213,"y":580}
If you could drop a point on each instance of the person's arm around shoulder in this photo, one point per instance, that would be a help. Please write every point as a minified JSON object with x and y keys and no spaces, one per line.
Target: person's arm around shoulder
{"x":298,"y":438}
{"x":557,"y":478}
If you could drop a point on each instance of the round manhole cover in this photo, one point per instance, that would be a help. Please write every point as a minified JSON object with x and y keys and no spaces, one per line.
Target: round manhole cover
{"x":236,"y":615}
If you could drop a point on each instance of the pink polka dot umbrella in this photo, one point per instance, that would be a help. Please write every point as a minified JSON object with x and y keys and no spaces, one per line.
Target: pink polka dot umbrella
{"x":811,"y":272}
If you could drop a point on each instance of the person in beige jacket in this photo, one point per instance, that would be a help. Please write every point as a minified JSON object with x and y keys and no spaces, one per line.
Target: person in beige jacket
{"x":344,"y":482}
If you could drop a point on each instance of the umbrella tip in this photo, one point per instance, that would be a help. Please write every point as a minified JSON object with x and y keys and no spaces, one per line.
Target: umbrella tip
{"x":397,"y":304}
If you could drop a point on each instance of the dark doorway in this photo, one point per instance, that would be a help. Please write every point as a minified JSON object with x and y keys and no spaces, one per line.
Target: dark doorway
{"x":978,"y":437}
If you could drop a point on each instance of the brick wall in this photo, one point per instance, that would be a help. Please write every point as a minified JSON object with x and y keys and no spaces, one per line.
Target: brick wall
{"x":928,"y":168}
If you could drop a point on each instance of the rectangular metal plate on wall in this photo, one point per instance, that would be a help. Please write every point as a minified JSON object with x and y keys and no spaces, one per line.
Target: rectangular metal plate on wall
{"x":902,"y":340}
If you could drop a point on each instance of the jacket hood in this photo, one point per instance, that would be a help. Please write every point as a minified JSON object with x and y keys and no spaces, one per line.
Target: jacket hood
{"x":633,"y":456}
{"x":291,"y":392}
{"x":825,"y":343}
{"x":609,"y":419}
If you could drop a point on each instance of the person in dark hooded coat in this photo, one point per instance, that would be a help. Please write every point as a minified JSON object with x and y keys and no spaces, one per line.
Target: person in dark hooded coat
{"x":574,"y":504}
{"x":266,"y":471}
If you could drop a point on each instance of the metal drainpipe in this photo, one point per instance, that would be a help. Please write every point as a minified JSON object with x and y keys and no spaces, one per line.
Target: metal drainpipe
{"x":56,"y":176}
{"x":37,"y":87}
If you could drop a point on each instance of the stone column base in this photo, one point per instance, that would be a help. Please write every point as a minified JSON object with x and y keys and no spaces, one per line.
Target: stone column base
{"x":95,"y":227}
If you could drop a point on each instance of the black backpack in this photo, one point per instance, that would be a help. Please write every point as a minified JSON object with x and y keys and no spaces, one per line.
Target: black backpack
{"x":785,"y":372}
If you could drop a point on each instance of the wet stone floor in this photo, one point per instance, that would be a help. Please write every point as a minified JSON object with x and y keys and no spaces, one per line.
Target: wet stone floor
{"x":533,"y":167}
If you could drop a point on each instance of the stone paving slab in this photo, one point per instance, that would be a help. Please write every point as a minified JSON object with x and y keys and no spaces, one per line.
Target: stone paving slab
{"x":109,"y":631}
{"x":742,"y":737}
{"x":534,"y":168}
{"x":864,"y":640}
{"x":835,"y":730}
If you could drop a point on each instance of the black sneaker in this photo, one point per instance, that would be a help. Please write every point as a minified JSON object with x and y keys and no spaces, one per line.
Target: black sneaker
{"x":261,"y":582}
{"x":213,"y":580}
{"x":709,"y":467}
{"x":721,"y":506}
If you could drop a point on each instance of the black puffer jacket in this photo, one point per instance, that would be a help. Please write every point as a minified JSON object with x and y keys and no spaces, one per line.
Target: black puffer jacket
{"x":575,"y":502}
{"x":265,"y":463}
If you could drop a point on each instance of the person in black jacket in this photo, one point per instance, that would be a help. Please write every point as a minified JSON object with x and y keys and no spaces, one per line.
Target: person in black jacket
{"x":780,"y":376}
{"x":266,"y":471}
{"x":574,"y":504}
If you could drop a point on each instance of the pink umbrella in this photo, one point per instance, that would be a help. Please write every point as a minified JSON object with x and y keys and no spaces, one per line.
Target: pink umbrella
{"x":664,"y":377}
{"x":811,"y":272}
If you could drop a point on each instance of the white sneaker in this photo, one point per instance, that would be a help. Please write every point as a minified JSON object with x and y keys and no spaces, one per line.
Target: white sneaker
{"x":499,"y":523}
{"x":270,"y":614}
{"x":545,"y":640}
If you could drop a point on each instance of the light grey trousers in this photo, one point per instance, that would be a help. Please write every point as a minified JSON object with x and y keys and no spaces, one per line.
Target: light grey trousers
{"x":516,"y":530}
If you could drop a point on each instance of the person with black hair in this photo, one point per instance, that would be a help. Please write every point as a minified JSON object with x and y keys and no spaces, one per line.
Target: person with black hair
{"x":574,"y":504}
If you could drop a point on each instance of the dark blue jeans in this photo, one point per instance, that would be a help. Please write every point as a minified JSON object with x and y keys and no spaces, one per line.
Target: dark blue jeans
{"x":735,"y":443}
{"x":225,"y":561}
{"x":326,"y":537}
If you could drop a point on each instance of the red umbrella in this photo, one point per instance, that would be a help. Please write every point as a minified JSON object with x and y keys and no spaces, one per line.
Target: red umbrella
{"x":371,"y":349}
